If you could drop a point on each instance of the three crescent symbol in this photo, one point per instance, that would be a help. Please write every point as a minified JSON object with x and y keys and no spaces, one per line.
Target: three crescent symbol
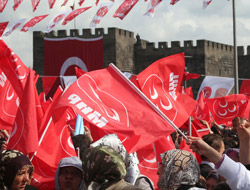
{"x":233,"y":110}
{"x":223,"y":106}
{"x":169,"y":107}
{"x":150,"y":161}
{"x":154,"y":95}
{"x":20,"y":77}
{"x":11,"y":96}
{"x":223,"y":114}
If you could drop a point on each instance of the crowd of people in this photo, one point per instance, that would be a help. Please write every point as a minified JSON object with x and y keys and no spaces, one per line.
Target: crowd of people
{"x":106,"y":165}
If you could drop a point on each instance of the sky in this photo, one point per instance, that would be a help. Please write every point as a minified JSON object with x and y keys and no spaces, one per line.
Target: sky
{"x":186,"y":20}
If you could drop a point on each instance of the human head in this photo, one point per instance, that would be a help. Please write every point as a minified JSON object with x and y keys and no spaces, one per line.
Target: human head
{"x":15,"y":170}
{"x":102,"y":164}
{"x":179,"y":167}
{"x":69,"y":174}
{"x":212,"y":180}
{"x":215,"y":141}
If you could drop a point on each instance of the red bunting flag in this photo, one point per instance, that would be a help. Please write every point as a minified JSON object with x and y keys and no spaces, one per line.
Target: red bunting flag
{"x":14,"y":26}
{"x":225,"y":109}
{"x":55,"y":20}
{"x":74,"y":14}
{"x":81,"y":2}
{"x":125,"y":8}
{"x":206,"y":3}
{"x":173,"y":2}
{"x":3,"y":3}
{"x":3,"y":25}
{"x":102,"y":11}
{"x":35,"y":3}
{"x":33,"y":22}
{"x":24,"y":135}
{"x":151,"y":7}
{"x":51,"y":3}
{"x":64,"y":3}
{"x":16,"y":4}
{"x":161,"y":83}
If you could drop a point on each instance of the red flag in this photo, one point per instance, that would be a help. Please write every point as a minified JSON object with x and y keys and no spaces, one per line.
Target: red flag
{"x":151,"y":7}
{"x":16,"y":4}
{"x":226,"y":108}
{"x":187,"y":76}
{"x":97,"y":1}
{"x":173,"y":2}
{"x":35,"y":3}
{"x":55,"y":20}
{"x":60,"y":60}
{"x":189,"y":91}
{"x":24,"y":136}
{"x":115,"y":107}
{"x":3,"y":25}
{"x":74,"y":14}
{"x":51,"y":3}
{"x":3,"y":3}
{"x":81,"y":2}
{"x":64,"y":3}
{"x":102,"y":11}
{"x":125,"y":8}
{"x":13,"y":76}
{"x":161,"y":83}
{"x":79,"y":72}
{"x":245,"y":87}
{"x":201,"y":110}
{"x":32,"y":22}
{"x":14,"y":26}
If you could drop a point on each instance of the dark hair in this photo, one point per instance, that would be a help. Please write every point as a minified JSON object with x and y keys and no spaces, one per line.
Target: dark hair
{"x":222,"y":186}
{"x":213,"y":140}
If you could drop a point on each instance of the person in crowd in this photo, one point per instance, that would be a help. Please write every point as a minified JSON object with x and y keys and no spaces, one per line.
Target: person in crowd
{"x":212,"y":180}
{"x":69,"y":174}
{"x":104,"y":166}
{"x":179,"y":170}
{"x":15,"y":170}
{"x":236,"y":174}
{"x":217,"y":143}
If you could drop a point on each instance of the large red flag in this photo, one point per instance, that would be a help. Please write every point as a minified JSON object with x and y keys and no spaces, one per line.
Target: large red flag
{"x":3,"y":3}
{"x":125,"y":8}
{"x":106,"y":99}
{"x":24,"y":136}
{"x":32,"y":22}
{"x":13,"y":76}
{"x":161,"y":83}
{"x":225,"y":109}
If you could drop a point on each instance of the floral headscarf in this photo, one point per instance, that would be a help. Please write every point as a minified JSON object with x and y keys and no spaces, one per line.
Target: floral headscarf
{"x":180,"y":168}
{"x":11,"y":162}
{"x":103,"y":165}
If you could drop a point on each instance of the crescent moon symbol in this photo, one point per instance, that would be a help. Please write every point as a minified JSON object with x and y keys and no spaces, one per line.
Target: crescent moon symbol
{"x":11,"y":96}
{"x":233,"y":110}
{"x":155,"y":95}
{"x":169,"y":107}
{"x":70,"y":143}
{"x":223,"y":114}
{"x":150,"y":161}
{"x":20,"y":77}
{"x":223,"y":106}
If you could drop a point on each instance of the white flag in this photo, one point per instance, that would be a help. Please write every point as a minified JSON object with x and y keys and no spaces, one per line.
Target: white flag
{"x":152,"y":4}
{"x":14,"y":26}
{"x":55,"y":20}
{"x":102,"y":11}
{"x":213,"y":87}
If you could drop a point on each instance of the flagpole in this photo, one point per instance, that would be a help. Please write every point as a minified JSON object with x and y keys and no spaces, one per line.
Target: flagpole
{"x":236,"y":78}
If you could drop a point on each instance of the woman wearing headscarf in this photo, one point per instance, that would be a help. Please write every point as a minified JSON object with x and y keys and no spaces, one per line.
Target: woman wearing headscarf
{"x":69,"y":174}
{"x":104,"y":166}
{"x":15,"y":170}
{"x":179,"y":170}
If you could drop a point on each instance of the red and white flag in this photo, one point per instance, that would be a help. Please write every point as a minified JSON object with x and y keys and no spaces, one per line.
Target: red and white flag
{"x":151,"y":7}
{"x":81,"y":2}
{"x":74,"y":14}
{"x":51,"y":3}
{"x":125,"y":8}
{"x":14,"y":26}
{"x":33,"y":22}
{"x":187,"y":76}
{"x":3,"y":25}
{"x":55,"y":20}
{"x":161,"y":83}
{"x":102,"y":11}
{"x":173,"y":2}
{"x":206,"y":3}
{"x":24,"y":135}
{"x":3,"y":3}
{"x":64,"y":3}
{"x":106,"y":99}
{"x":13,"y":76}
{"x":225,"y":109}
{"x":97,"y":1}
{"x":35,"y":3}
{"x":16,"y":4}
{"x":213,"y":87}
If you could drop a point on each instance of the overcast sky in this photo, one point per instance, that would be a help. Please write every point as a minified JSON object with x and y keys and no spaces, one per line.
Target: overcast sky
{"x":186,"y":20}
